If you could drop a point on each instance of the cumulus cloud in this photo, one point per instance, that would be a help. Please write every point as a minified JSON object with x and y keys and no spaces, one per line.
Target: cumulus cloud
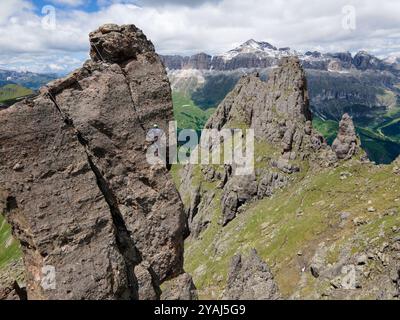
{"x":186,"y":27}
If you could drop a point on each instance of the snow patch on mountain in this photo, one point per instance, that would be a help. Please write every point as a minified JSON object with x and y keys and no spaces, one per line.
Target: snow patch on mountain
{"x":259,"y":49}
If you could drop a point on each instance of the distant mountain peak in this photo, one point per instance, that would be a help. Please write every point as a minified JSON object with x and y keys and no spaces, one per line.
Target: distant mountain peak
{"x":393,"y":59}
{"x":257,"y":45}
{"x":260,"y":49}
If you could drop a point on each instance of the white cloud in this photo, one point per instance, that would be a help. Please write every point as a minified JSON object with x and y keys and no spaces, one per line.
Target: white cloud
{"x":72,"y":3}
{"x":11,"y":7}
{"x":208,"y":26}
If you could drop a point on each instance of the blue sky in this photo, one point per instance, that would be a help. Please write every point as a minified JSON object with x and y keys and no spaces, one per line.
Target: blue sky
{"x":88,"y":6}
{"x":186,"y":27}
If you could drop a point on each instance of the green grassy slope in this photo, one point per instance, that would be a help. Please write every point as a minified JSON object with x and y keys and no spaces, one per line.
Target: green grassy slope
{"x":9,"y":247}
{"x":187,"y":114}
{"x":287,"y":229}
{"x":327,"y":128}
{"x":13,"y":91}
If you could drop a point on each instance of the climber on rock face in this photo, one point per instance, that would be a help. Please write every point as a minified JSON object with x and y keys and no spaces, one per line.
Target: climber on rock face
{"x":155,"y":133}
{"x":154,"y":139}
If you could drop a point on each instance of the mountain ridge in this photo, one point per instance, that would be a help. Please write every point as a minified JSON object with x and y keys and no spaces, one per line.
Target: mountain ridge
{"x":362,"y":85}
{"x":311,"y":215}
{"x":262,"y":54}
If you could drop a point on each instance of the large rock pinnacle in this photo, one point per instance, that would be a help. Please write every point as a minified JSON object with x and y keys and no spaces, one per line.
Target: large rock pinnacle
{"x":95,"y":220}
{"x":346,"y":143}
{"x":279,"y":113}
{"x":278,"y":110}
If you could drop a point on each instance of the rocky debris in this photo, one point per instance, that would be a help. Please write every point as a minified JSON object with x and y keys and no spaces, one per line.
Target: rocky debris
{"x":369,"y":274}
{"x":360,"y":221}
{"x":84,"y":202}
{"x":346,"y":144}
{"x":180,"y":288}
{"x":396,"y":280}
{"x":250,"y":279}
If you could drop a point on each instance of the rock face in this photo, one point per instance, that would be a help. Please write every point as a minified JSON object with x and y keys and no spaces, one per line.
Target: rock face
{"x":346,"y":144}
{"x":237,"y":191}
{"x":180,"y":288}
{"x":200,"y":61}
{"x":277,"y":110}
{"x":259,"y":54}
{"x":250,"y":279}
{"x":95,"y":220}
{"x":12,"y":292}
{"x":11,"y":282}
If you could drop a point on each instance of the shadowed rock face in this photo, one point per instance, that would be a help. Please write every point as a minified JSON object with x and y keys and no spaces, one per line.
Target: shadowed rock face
{"x":76,"y":185}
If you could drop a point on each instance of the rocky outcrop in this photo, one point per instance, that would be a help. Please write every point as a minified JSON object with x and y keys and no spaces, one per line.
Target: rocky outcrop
{"x":250,"y":279}
{"x":180,"y":288}
{"x":237,"y":192}
{"x":95,"y":220}
{"x":346,"y":144}
{"x":277,"y":110}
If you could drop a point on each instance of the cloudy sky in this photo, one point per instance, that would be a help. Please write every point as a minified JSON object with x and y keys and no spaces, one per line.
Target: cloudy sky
{"x":52,"y":35}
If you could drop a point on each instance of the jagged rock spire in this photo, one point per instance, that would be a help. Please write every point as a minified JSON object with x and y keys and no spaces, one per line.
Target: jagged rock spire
{"x":287,"y":91}
{"x":346,"y":143}
{"x":278,"y":110}
{"x":76,"y":185}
